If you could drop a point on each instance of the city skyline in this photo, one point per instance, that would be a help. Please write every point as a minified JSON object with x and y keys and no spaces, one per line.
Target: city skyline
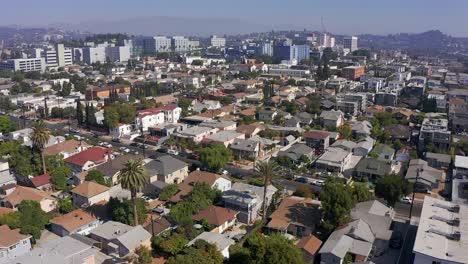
{"x":341,"y":17}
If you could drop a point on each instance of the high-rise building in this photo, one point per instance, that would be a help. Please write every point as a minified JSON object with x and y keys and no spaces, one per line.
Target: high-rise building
{"x":350,"y":43}
{"x":265,"y":48}
{"x":162,"y":44}
{"x":291,"y":52}
{"x":94,"y":54}
{"x":180,"y":43}
{"x":55,"y":56}
{"x":217,"y":42}
{"x":118,"y":54}
{"x":25,"y":65}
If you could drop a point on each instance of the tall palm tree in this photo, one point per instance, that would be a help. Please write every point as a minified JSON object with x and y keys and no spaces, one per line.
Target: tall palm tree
{"x":267,"y":169}
{"x":133,"y":177}
{"x":40,"y":137}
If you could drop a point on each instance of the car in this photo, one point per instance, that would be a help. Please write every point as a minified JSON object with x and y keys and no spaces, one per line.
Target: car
{"x":162,"y":150}
{"x":75,"y":131}
{"x":158,"y":210}
{"x":173,"y":152}
{"x":237,"y":175}
{"x":78,"y":137}
{"x":406,"y":200}
{"x":396,"y":240}
{"x":134,"y":144}
{"x":117,"y":140}
{"x":146,"y":198}
{"x":302,"y":180}
{"x":143,"y":146}
{"x":107,"y":145}
{"x":318,"y":182}
{"x":124,"y":149}
{"x":224,"y":172}
{"x":135,"y":152}
{"x":100,"y":143}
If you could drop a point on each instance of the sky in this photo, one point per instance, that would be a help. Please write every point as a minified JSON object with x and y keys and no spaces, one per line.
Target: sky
{"x":340,"y":16}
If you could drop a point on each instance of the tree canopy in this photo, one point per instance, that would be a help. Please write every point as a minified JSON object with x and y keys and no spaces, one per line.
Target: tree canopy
{"x":392,"y":188}
{"x":200,"y":252}
{"x":215,"y":157}
{"x":337,"y":202}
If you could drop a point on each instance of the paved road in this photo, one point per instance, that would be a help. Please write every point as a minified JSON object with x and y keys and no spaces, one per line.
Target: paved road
{"x":402,"y":210}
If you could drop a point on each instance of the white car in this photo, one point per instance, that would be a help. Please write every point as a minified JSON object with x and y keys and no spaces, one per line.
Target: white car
{"x":100,"y":143}
{"x":107,"y":145}
{"x":406,"y":200}
{"x":318,"y":182}
{"x":173,"y":152}
{"x":124,"y":149}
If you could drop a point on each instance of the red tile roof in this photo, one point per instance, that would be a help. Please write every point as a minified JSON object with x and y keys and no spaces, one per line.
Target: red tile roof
{"x":216,"y":215}
{"x":41,"y":180}
{"x":10,"y":237}
{"x":95,"y":154}
{"x":310,"y":244}
{"x":316,"y":134}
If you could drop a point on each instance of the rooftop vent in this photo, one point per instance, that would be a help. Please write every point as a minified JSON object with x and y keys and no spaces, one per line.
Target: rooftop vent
{"x":453,"y":222}
{"x":453,"y":209}
{"x":451,"y":236}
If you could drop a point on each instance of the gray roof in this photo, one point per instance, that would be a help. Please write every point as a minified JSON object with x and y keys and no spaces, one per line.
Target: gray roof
{"x":244,"y":145}
{"x":220,"y":240}
{"x":440,"y":157}
{"x":331,"y":115}
{"x":377,"y":215}
{"x":374,"y":166}
{"x":356,"y":237}
{"x":223,"y":136}
{"x":111,"y":230}
{"x":246,"y":193}
{"x":426,"y":172}
{"x":362,"y":127}
{"x":384,"y":149}
{"x":134,"y":237}
{"x":164,"y":165}
{"x":296,"y":151}
{"x":344,"y":144}
{"x":63,"y":250}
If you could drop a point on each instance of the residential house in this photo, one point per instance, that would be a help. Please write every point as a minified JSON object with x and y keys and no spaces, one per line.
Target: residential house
{"x":87,"y":159}
{"x":13,"y":244}
{"x":249,"y":130}
{"x":167,"y":169}
{"x":120,"y":239}
{"x":355,"y":239}
{"x":222,"y":242}
{"x":221,"y":125}
{"x":195,"y":133}
{"x":293,"y":122}
{"x":373,"y":168}
{"x":317,"y":139}
{"x":247,"y":199}
{"x":77,"y":221}
{"x":42,"y":182}
{"x":305,"y":118}
{"x":68,"y":249}
{"x":223,"y":137}
{"x":216,"y":181}
{"x":21,"y":193}
{"x":159,"y":225}
{"x":297,"y":216}
{"x":379,"y":217}
{"x":6,"y":178}
{"x":121,"y":130}
{"x":384,"y":151}
{"x":148,"y":118}
{"x":309,"y":246}
{"x":460,"y":169}
{"x":298,"y":152}
{"x":344,"y":144}
{"x":267,"y":115}
{"x":428,"y":178}
{"x":361,"y":128}
{"x":334,"y":159}
{"x":89,"y":193}
{"x":219,"y":218}
{"x":438,"y":161}
{"x":66,"y":148}
{"x":364,"y":147}
{"x":399,"y":132}
{"x":332,"y":118}
{"x":441,"y":232}
{"x":245,"y":149}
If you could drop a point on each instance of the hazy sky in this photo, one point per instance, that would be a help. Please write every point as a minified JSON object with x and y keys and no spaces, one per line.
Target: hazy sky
{"x":340,"y":16}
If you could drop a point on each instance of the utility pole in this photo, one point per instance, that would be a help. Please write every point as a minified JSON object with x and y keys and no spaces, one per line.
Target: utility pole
{"x":414,"y":191}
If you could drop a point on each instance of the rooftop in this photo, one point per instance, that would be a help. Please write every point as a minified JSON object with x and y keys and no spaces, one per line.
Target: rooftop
{"x":89,"y":189}
{"x":74,"y":220}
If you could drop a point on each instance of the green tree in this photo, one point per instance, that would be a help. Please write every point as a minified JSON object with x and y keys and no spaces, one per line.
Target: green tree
{"x":33,"y":220}
{"x":346,"y":131}
{"x":337,"y":202}
{"x":360,"y":192}
{"x":267,"y":169}
{"x":97,"y":176}
{"x":168,"y":191}
{"x":144,"y":255}
{"x":12,"y":220}
{"x":111,"y":117}
{"x":66,"y":205}
{"x":215,"y":157}
{"x":6,"y":124}
{"x":392,"y":188}
{"x":304,"y":191}
{"x":174,"y":244}
{"x":133,"y":177}
{"x":79,"y":112}
{"x":40,"y":137}
{"x":122,"y":211}
{"x":60,"y":175}
{"x":200,"y":252}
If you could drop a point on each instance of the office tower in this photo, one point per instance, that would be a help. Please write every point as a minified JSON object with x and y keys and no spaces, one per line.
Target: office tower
{"x":217,"y":42}
{"x":350,"y":43}
{"x":24,"y":65}
{"x":180,"y":43}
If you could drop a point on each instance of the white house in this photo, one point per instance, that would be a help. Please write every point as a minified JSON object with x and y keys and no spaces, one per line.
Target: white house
{"x":13,"y":243}
{"x":148,"y":118}
{"x":121,"y":130}
{"x":89,"y":193}
{"x":222,"y":242}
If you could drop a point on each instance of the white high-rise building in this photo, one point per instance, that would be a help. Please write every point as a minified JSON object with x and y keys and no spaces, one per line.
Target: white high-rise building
{"x":332,"y":42}
{"x":55,"y":56}
{"x":350,"y":43}
{"x":92,"y":55}
{"x":162,"y":44}
{"x":180,"y":43}
{"x":218,"y":42}
{"x":25,"y":65}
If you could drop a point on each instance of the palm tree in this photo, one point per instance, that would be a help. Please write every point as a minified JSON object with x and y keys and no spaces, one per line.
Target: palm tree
{"x":133,"y":177}
{"x":40,"y":137}
{"x":267,"y":169}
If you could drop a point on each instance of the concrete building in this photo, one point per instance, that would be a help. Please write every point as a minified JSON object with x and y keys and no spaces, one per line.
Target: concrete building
{"x":353,"y":73}
{"x":94,"y":54}
{"x":118,"y":53}
{"x":24,"y":65}
{"x":291,"y":52}
{"x":217,"y":42}
{"x":435,"y":130}
{"x":157,"y":44}
{"x":55,"y":56}
{"x":442,"y":233}
{"x":180,"y":43}
{"x":350,"y":43}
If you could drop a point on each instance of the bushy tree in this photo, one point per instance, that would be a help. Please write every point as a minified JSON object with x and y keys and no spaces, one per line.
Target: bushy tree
{"x":144,"y":255}
{"x":97,"y":176}
{"x":33,"y":220}
{"x":337,"y":202}
{"x":392,"y":188}
{"x":200,"y":252}
{"x":122,"y":211}
{"x":215,"y":157}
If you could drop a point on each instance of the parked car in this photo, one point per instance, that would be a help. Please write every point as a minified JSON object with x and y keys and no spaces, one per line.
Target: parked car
{"x":224,"y":172}
{"x":158,"y":210}
{"x":124,"y":149}
{"x":135,"y":152}
{"x":406,"y":200}
{"x":302,"y":180}
{"x":238,"y":176}
{"x":318,"y":182}
{"x":134,"y":144}
{"x":173,"y":152}
{"x":75,"y":131}
{"x":144,"y":146}
{"x":116,"y":140}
